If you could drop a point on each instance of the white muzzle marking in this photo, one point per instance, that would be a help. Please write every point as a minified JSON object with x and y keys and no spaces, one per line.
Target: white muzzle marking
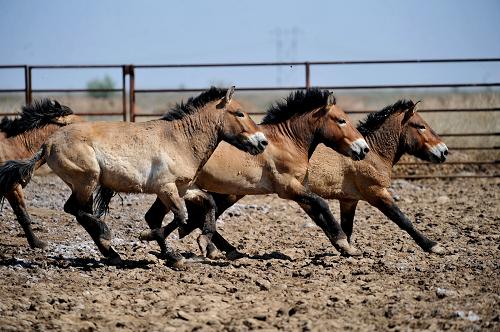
{"x":358,"y":147}
{"x":439,"y":150}
{"x":257,"y":139}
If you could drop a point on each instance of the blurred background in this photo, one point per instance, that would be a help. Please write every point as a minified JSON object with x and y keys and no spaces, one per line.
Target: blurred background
{"x":461,"y":99}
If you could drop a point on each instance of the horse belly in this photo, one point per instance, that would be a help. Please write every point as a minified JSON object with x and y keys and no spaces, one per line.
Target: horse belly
{"x":235,"y":182}
{"x":137,"y":175}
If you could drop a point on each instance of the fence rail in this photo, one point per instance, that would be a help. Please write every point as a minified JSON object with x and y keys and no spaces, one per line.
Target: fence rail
{"x":128,"y":93}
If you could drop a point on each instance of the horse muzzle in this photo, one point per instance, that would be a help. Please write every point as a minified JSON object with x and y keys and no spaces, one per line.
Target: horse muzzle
{"x":359,"y":149}
{"x":438,"y":153}
{"x":256,"y":143}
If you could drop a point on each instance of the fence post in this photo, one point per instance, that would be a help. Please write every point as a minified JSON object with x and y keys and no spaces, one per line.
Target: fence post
{"x":27,"y":84}
{"x":131,"y":91}
{"x":124,"y":95}
{"x":308,"y":75}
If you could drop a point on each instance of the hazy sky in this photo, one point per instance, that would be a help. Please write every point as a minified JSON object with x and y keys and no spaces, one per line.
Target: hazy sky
{"x":144,"y":32}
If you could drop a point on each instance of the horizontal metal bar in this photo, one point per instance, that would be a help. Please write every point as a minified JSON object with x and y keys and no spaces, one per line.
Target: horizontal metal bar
{"x":303,"y":63}
{"x":74,"y":66}
{"x":488,"y":162}
{"x":338,"y":87}
{"x":475,"y":148}
{"x":407,"y":86}
{"x":98,"y":114}
{"x":255,"y":64}
{"x":11,"y":90}
{"x":435,"y":110}
{"x":74,"y":90}
{"x":469,"y":134}
{"x":12,"y":66}
{"x":76,"y":113}
{"x":416,"y":177}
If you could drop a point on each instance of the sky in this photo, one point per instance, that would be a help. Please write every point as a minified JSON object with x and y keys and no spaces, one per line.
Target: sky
{"x":166,"y":32}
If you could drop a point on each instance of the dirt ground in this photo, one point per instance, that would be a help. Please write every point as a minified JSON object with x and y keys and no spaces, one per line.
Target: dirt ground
{"x":294,"y":279}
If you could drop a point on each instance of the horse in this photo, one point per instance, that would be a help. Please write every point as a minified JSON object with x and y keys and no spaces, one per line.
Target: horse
{"x":21,"y":138}
{"x":396,"y":130}
{"x":160,"y":157}
{"x":294,"y":128}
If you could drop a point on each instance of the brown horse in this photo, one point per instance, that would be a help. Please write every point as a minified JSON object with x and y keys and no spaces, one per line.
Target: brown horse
{"x":391,"y":132}
{"x":159,"y":157}
{"x":294,"y":129}
{"x":20,"y":138}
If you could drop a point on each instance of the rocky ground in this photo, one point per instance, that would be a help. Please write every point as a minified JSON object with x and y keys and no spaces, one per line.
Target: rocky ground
{"x":293,"y":280}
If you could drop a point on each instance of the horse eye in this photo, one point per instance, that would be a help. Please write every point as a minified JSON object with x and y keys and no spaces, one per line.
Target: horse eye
{"x":239,"y":114}
{"x":341,"y":121}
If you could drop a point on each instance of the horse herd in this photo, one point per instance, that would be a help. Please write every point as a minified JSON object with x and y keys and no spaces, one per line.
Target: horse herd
{"x":204,"y":155}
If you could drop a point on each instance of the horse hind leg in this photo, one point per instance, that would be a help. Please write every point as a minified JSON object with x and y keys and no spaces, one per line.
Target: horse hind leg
{"x":81,"y":207}
{"x":16,"y":201}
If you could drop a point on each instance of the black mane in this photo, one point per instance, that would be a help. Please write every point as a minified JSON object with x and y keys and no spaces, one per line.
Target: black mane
{"x":33,"y":116}
{"x":298,"y":102}
{"x":373,"y":121}
{"x":193,"y":104}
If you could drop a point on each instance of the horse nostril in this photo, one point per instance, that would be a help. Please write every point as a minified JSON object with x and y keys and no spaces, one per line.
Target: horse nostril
{"x":366,"y":150}
{"x":264,"y":143}
{"x":445,"y":152}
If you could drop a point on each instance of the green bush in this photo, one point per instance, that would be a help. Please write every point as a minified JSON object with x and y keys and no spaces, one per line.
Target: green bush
{"x":97,"y":84}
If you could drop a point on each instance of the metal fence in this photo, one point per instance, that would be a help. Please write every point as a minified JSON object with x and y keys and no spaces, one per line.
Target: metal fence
{"x":129,"y":93}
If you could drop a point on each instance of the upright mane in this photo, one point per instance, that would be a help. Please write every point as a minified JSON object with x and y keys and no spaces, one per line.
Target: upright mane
{"x":193,"y":104}
{"x":298,"y":102}
{"x":33,"y":116}
{"x":373,"y":121}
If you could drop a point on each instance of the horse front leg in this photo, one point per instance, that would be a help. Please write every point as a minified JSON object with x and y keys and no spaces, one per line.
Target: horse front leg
{"x":16,"y":201}
{"x":205,"y":208}
{"x":319,"y":211}
{"x":347,"y":211}
{"x":386,"y":204}
{"x":170,"y":200}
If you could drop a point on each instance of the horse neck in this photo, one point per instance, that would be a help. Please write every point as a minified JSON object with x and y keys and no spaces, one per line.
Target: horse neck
{"x":387,"y":142}
{"x":202,"y":133}
{"x":27,"y":143}
{"x":297,"y":130}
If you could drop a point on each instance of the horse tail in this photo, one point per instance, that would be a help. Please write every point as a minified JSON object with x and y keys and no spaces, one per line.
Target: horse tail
{"x":20,"y":171}
{"x":102,"y":199}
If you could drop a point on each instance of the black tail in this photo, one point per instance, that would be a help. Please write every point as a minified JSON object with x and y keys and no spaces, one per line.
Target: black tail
{"x":19,"y":171}
{"x":102,"y":199}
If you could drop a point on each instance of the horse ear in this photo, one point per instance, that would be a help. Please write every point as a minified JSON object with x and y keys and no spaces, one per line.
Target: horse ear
{"x":330,"y":101}
{"x":229,"y":95}
{"x":410,"y":112}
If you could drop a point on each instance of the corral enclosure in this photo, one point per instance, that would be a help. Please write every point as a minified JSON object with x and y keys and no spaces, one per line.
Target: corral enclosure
{"x":466,"y":114}
{"x":293,"y":279}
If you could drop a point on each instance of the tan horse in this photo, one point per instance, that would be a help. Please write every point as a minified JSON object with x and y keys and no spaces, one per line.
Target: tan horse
{"x":20,"y":138}
{"x":392,"y":132}
{"x":159,"y":157}
{"x":294,"y":129}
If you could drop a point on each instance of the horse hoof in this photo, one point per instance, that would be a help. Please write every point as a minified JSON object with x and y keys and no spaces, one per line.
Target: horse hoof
{"x":182,"y":231}
{"x":346,"y":249}
{"x":212,"y":251}
{"x":38,"y":244}
{"x":203,"y":244}
{"x":234,"y":255}
{"x":149,"y":235}
{"x":438,"y":249}
{"x":116,"y":260}
{"x":145,"y":236}
{"x":179,"y":264}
